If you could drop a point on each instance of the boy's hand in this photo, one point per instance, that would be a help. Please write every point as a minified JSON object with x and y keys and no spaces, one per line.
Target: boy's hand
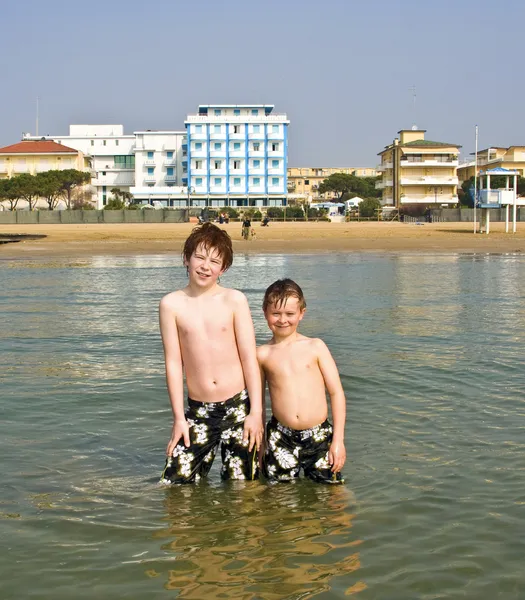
{"x":253,"y":431}
{"x":181,"y":429}
{"x":337,"y":456}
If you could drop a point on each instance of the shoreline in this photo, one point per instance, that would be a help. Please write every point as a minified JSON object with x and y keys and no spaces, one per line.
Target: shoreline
{"x":278,"y":238}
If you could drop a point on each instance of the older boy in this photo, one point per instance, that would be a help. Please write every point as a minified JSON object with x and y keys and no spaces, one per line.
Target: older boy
{"x":298,"y":369}
{"x":207,"y":331}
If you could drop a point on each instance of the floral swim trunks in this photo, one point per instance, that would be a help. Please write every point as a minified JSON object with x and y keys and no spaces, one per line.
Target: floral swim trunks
{"x":288,"y":450}
{"x":212,"y":424}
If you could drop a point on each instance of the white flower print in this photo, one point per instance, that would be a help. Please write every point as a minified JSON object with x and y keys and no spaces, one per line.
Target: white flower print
{"x":209,"y":456}
{"x":235,"y":466}
{"x":323,"y":463}
{"x":285,"y":459}
{"x":203,"y":411}
{"x":320,"y":435}
{"x":201,"y":433}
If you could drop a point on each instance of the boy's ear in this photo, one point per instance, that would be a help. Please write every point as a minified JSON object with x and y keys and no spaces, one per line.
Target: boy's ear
{"x":303,"y":310}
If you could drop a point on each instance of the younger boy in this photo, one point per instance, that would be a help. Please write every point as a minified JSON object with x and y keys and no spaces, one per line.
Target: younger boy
{"x":207,"y":332}
{"x":298,"y":369}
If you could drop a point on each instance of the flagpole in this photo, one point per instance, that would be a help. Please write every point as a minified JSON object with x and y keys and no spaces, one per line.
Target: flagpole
{"x":476,"y":180}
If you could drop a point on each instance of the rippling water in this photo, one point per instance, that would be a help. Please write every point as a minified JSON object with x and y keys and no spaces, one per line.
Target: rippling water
{"x":431,"y":354}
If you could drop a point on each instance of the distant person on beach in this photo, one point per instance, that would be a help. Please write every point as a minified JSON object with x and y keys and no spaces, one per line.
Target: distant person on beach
{"x":298,"y":370}
{"x":208,"y":334}
{"x":246,"y":228}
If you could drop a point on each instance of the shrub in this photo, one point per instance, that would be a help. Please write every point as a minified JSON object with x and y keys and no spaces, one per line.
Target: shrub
{"x":82,"y":205}
{"x":230,"y":211}
{"x":368,"y":207}
{"x":294,"y":212}
{"x":275,"y":212}
{"x":257,"y":215}
{"x":114,"y":204}
{"x":413,"y":210}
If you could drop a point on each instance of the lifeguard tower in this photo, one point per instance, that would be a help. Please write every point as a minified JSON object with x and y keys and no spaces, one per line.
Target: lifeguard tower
{"x":488,"y":199}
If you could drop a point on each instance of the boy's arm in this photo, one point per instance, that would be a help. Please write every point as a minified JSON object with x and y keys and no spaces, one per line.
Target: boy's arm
{"x":174,"y":377}
{"x":337,"y":453}
{"x":245,"y":337}
{"x":263,"y":399}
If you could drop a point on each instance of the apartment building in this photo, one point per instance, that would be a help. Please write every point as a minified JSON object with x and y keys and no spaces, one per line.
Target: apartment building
{"x":39,"y":155}
{"x":418,"y":171}
{"x":512,"y":158}
{"x":236,"y":155}
{"x":305,"y":181}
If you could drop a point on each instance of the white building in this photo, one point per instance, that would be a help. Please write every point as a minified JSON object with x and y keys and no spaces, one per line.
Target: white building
{"x":229,"y":155}
{"x":237,"y":155}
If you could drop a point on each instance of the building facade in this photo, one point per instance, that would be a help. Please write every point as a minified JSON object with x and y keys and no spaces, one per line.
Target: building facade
{"x":236,"y":155}
{"x":418,"y":171}
{"x":303,"y":182}
{"x":40,"y":155}
{"x":512,"y":158}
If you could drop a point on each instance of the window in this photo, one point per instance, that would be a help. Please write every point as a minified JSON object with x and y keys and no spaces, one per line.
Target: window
{"x":151,"y":170}
{"x":275,"y":128}
{"x":198,"y":181}
{"x":198,"y":145}
{"x":275,"y":164}
{"x":256,"y":129}
{"x":306,"y":182}
{"x":256,"y":164}
{"x":150,"y":185}
{"x":237,"y":146}
{"x":218,"y":146}
{"x":236,"y":129}
{"x":103,"y":172}
{"x":150,"y":155}
{"x":256,"y":181}
{"x":124,"y":162}
{"x":218,"y":164}
{"x":275,"y":147}
{"x":169,"y":171}
{"x":218,"y":112}
{"x":198,"y":128}
{"x":103,"y":142}
{"x":198,"y":164}
{"x":169,"y":154}
{"x":236,"y":112}
{"x":256,"y":146}
{"x":275,"y":180}
{"x":236,"y":164}
{"x":236,"y":181}
{"x":184,"y":153}
{"x":92,"y":142}
{"x":255,"y":112}
{"x":116,"y":142}
{"x":218,"y":181}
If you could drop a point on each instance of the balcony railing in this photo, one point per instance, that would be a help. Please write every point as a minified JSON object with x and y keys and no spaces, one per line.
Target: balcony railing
{"x":274,"y":117}
{"x":429,"y":180}
{"x":149,"y":163}
{"x":428,"y":163}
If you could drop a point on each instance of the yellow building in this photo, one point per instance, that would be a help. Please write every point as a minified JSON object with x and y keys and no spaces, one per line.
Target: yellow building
{"x":36,"y":156}
{"x":418,"y":171}
{"x":512,"y":158}
{"x":305,"y":181}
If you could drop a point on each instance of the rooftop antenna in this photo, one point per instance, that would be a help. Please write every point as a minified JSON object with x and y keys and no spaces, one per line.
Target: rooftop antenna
{"x":37,"y":116}
{"x":413,"y":90}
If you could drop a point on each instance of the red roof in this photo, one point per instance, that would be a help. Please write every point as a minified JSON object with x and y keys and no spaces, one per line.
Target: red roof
{"x":37,"y":147}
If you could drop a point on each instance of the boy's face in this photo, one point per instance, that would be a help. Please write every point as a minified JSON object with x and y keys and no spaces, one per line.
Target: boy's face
{"x":204,"y":266}
{"x":284,"y":318}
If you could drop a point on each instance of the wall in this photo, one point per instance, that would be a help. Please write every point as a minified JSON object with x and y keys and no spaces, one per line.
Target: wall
{"x":41,"y":217}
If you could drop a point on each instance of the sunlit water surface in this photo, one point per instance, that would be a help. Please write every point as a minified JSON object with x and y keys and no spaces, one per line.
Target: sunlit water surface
{"x":431,"y":355}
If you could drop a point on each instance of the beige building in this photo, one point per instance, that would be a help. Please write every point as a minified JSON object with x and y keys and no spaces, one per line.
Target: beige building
{"x":305,"y":181}
{"x":512,"y":158}
{"x":418,"y":171}
{"x":36,"y":156}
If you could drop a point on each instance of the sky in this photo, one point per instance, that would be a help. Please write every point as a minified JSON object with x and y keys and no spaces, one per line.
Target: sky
{"x":342,"y":70}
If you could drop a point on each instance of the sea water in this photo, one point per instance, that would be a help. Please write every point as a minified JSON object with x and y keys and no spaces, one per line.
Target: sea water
{"x":430,"y":349}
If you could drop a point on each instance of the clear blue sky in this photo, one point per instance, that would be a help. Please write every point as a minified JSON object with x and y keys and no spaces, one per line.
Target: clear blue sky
{"x":341,"y":69}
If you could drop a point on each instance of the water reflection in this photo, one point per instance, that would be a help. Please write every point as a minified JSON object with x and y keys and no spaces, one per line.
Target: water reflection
{"x":257,"y":541}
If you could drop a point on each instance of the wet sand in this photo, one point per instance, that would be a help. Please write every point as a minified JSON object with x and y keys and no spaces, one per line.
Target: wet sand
{"x":289,"y":237}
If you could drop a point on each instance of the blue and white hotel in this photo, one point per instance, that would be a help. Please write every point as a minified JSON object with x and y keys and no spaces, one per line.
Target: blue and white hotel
{"x":236,"y":155}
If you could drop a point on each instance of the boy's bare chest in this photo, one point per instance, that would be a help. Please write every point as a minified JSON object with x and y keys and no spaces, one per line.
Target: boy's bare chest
{"x":281,"y":363}
{"x":204,"y":323}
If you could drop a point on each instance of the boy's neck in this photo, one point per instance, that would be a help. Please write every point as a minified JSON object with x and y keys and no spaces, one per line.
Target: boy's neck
{"x":286,"y":339}
{"x":195,"y":291}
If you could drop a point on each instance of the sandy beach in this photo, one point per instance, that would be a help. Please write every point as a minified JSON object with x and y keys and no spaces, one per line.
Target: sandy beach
{"x":289,"y":237}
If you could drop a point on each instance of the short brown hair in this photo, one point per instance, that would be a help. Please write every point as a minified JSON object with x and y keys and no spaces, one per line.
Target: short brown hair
{"x":210,"y":236}
{"x":279,"y":292}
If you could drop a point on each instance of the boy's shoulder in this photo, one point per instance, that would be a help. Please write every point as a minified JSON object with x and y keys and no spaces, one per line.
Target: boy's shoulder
{"x":172,"y":298}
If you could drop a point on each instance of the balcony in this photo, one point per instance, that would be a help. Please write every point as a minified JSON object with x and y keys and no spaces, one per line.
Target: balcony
{"x":384,"y":183}
{"x":404,"y":163}
{"x":384,"y":166}
{"x":170,"y":162}
{"x":237,"y":136}
{"x":149,"y":162}
{"x":429,"y":199}
{"x":429,"y":180}
{"x":273,"y":118}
